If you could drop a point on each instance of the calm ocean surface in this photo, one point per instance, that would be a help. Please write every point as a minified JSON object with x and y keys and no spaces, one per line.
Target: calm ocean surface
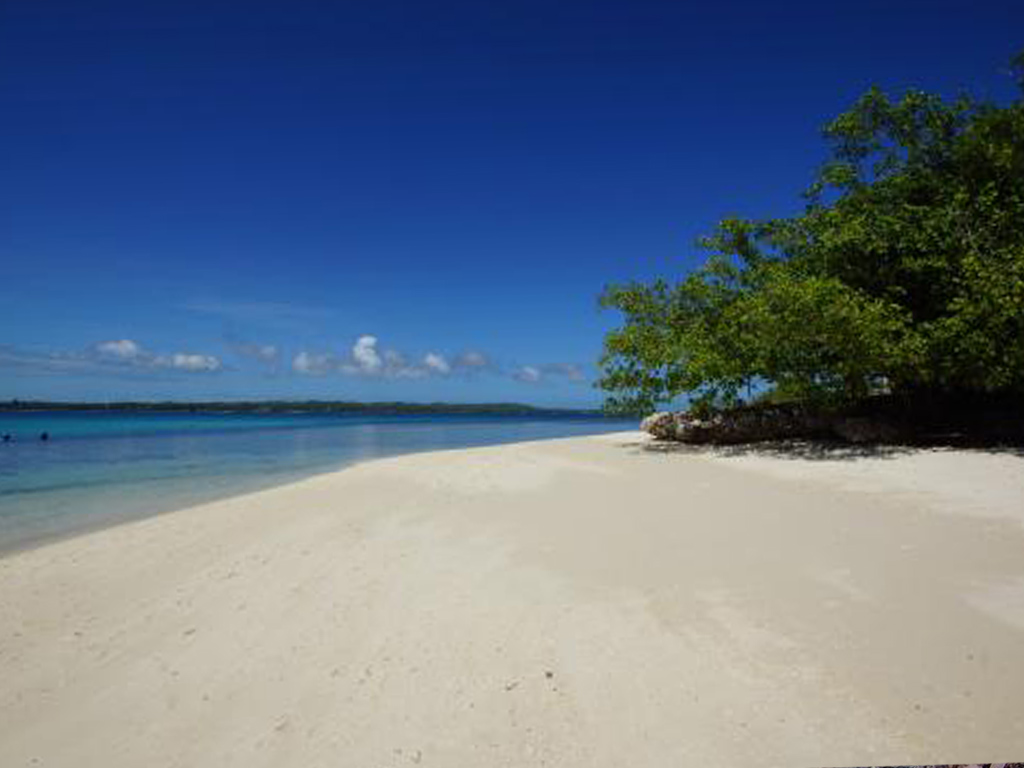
{"x":98,"y":469}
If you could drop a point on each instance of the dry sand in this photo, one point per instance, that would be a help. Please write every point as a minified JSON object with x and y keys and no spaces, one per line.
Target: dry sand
{"x":581,"y":602}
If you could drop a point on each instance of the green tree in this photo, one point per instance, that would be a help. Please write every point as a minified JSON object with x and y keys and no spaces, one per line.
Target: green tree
{"x":905,"y":270}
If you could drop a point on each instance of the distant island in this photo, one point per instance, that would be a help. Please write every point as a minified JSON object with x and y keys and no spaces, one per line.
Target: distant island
{"x":292,"y":406}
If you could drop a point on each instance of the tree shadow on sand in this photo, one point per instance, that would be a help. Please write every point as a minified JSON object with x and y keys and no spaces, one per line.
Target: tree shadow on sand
{"x":808,"y":450}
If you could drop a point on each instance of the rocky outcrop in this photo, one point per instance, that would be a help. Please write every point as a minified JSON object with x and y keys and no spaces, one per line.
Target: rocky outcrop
{"x":661,"y":425}
{"x":759,"y":424}
{"x":932,"y":420}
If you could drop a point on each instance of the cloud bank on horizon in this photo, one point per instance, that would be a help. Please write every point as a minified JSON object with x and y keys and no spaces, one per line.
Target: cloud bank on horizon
{"x":130,"y":352}
{"x":365,"y":358}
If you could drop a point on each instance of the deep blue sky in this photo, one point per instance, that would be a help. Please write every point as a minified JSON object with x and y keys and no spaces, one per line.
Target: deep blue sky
{"x":253,"y":187}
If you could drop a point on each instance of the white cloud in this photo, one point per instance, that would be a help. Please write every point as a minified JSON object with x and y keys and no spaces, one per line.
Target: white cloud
{"x":125,"y":352}
{"x":571,"y":371}
{"x":184,"y":361}
{"x":531,"y":374}
{"x":471,"y":360}
{"x":396,"y":365}
{"x":120,"y":356}
{"x":368,"y":358}
{"x":122,"y":349}
{"x":314,"y":365}
{"x":55,"y":362}
{"x":436,"y":362}
{"x":527,"y":373}
{"x":393,"y":359}
{"x":365,"y":354}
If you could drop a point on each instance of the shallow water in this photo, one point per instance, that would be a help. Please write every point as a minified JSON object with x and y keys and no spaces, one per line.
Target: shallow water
{"x":100,"y":468}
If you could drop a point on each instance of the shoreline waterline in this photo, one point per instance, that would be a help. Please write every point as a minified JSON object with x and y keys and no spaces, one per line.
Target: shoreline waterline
{"x":101,"y":523}
{"x":239,"y":496}
{"x":96,"y":471}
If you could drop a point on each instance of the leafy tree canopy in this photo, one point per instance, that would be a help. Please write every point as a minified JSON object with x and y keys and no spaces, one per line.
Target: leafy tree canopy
{"x":904,"y":273}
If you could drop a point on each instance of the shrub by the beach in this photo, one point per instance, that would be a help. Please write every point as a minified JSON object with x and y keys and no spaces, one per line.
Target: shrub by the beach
{"x":904,"y":274}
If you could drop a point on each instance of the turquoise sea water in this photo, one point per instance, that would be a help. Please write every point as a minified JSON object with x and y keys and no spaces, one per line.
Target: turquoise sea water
{"x":98,"y":469}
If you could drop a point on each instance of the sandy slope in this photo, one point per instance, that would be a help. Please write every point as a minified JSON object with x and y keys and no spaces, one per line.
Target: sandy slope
{"x":582,"y":602}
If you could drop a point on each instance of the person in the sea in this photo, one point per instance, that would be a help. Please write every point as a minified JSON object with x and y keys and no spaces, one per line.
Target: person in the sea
{"x":45,"y":436}
{"x":7,"y":437}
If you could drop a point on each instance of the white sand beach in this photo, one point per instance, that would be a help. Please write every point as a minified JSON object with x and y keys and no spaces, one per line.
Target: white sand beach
{"x":579,"y":602}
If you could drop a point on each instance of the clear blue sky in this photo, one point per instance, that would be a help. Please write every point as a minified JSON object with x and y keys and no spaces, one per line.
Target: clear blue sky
{"x":306,"y":199}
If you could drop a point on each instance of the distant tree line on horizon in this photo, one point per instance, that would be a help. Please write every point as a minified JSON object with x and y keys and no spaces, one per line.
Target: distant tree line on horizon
{"x":903,"y":275}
